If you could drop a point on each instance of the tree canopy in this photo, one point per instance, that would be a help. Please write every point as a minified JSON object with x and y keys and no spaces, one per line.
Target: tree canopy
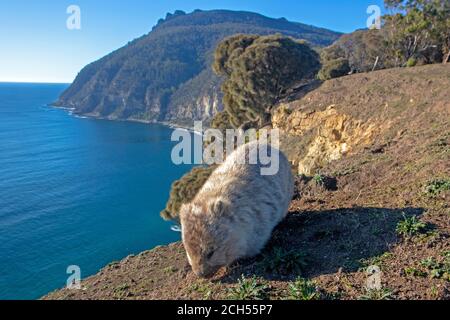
{"x":257,"y":71}
{"x":418,"y":29}
{"x":184,"y":190}
{"x":414,"y":31}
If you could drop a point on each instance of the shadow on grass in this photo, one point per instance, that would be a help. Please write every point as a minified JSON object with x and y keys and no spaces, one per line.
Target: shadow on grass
{"x":313,"y":243}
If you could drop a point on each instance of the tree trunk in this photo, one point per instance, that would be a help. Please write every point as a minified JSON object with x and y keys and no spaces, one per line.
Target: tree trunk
{"x":375,"y":64}
{"x":447,"y":57}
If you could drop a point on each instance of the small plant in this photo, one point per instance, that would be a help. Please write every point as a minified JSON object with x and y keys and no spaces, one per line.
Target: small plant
{"x":319,"y":179}
{"x":378,"y":261}
{"x":437,"y":270}
{"x":428,"y":236}
{"x":410,"y":227}
{"x":114,"y":265}
{"x":121,"y":291}
{"x":248,"y":289}
{"x":377,"y":294}
{"x":412,"y":62}
{"x":203,"y":288}
{"x":440,"y":143}
{"x":435,"y":187}
{"x":446,"y":255}
{"x":282,"y":261}
{"x":286,"y":110}
{"x":303,"y":289}
{"x":328,"y":183}
{"x":334,"y":69}
{"x":411,"y":271}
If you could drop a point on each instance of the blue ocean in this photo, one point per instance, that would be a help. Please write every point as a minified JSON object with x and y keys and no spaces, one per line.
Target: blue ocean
{"x":75,"y":191}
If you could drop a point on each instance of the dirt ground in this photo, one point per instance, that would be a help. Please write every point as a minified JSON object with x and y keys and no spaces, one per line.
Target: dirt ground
{"x":386,"y":205}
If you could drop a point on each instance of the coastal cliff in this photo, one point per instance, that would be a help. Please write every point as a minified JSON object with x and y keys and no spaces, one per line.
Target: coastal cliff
{"x":372,"y":153}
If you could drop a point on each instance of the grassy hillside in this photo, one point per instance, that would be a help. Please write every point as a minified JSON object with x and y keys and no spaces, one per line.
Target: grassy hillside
{"x":379,"y":201}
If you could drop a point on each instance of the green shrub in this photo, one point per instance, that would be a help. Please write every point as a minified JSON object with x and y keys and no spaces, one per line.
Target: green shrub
{"x":303,"y":289}
{"x":410,"y":226}
{"x":377,"y":294}
{"x":435,"y":187}
{"x":359,"y":49}
{"x":412,"y":62}
{"x":221,"y":121}
{"x":258,"y":70}
{"x":185,"y":189}
{"x":334,"y":69}
{"x":437,"y":269}
{"x":248,"y":289}
{"x":411,"y":271}
{"x":319,"y":179}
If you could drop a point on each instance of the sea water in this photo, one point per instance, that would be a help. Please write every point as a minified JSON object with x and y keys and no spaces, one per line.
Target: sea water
{"x":75,"y":192}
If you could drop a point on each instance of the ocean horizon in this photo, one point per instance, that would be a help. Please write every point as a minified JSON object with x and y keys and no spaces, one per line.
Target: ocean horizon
{"x":75,"y":191}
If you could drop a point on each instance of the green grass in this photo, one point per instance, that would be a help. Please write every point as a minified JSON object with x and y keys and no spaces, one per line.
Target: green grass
{"x":436,"y":186}
{"x":377,"y":294}
{"x":410,"y":226}
{"x":248,"y":289}
{"x":303,"y":289}
{"x":283,"y":261}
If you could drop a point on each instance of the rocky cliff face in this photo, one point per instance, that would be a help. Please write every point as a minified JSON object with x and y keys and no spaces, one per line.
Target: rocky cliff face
{"x":331,"y":134}
{"x":203,"y":108}
{"x":166,"y":75}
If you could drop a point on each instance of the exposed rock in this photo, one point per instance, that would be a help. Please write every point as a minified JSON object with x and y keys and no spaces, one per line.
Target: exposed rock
{"x":334,"y":134}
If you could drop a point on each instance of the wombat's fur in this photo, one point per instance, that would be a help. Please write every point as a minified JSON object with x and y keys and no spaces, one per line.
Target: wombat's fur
{"x":234,"y":213}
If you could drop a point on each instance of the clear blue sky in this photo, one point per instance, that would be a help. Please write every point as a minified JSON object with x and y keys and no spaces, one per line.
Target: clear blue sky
{"x":36,"y":46}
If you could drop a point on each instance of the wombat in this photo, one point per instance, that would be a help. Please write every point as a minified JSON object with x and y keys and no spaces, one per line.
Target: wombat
{"x":234,"y":213}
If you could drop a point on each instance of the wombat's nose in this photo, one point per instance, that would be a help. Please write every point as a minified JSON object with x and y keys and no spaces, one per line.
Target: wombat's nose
{"x":207,"y":271}
{"x":203,"y":273}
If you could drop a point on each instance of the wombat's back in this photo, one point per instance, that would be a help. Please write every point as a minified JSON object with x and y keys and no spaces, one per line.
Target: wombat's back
{"x":257,"y":199}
